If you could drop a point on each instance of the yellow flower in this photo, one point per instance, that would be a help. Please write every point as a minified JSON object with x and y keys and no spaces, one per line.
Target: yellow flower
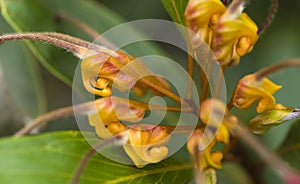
{"x":202,"y":15}
{"x":146,"y":144}
{"x":235,"y":36}
{"x":101,"y":70}
{"x":212,"y":112}
{"x":249,"y":90}
{"x":110,"y":110}
{"x":207,"y":158}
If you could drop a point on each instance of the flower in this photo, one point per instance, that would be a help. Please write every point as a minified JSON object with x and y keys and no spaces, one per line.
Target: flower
{"x":146,"y":144}
{"x":235,"y":36}
{"x":212,"y":112}
{"x":249,"y":89}
{"x":207,"y":157}
{"x":102,"y":70}
{"x":110,"y":110}
{"x":227,"y":31}
{"x":202,"y":15}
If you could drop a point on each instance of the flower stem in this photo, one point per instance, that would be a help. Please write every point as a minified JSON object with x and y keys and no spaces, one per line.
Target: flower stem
{"x":270,"y":17}
{"x":162,"y":90}
{"x":191,"y":74}
{"x":276,"y":67}
{"x":88,"y":108}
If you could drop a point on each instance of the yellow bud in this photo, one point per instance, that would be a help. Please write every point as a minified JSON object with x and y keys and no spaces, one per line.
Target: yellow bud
{"x":249,"y":90}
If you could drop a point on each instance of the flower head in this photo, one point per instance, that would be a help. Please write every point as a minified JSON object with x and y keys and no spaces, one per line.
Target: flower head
{"x":101,"y":70}
{"x":146,"y":144}
{"x":110,"y":111}
{"x":235,"y":36}
{"x":249,"y":89}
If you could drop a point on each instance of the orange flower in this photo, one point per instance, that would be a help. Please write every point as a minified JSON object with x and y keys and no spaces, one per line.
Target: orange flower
{"x":146,"y":144}
{"x":249,"y":90}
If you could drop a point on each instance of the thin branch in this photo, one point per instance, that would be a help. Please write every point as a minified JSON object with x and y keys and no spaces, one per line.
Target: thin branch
{"x":276,"y":67}
{"x":88,"y":108}
{"x":270,"y":17}
{"x":162,"y":90}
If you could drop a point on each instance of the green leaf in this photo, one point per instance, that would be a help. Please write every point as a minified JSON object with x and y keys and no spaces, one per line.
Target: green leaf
{"x":22,"y":77}
{"x":38,"y":15}
{"x":176,"y":9}
{"x":290,"y":149}
{"x":53,"y":157}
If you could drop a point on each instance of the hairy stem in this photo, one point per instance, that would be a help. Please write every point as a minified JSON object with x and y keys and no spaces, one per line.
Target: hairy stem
{"x":88,"y":108}
{"x":270,"y":17}
{"x":276,"y":67}
{"x":74,"y":48}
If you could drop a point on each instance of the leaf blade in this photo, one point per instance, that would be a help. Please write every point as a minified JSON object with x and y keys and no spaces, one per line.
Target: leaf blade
{"x":53,"y":157}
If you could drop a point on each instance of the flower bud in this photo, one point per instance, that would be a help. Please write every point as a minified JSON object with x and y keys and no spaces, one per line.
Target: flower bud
{"x":270,"y":118}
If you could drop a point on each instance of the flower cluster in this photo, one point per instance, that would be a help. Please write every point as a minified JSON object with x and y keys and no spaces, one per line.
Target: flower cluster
{"x":229,"y":32}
